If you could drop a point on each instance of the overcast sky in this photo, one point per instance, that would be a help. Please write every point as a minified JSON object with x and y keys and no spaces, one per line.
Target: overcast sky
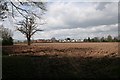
{"x":77,"y":20}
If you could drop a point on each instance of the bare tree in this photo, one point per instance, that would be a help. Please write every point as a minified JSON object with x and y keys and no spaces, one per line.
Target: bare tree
{"x":16,"y":7}
{"x":28,"y":28}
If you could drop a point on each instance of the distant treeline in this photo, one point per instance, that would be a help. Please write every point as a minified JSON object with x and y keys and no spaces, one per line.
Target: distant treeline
{"x":109,"y":38}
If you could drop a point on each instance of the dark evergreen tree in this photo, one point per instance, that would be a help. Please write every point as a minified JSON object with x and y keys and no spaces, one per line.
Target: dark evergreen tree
{"x":6,"y":36}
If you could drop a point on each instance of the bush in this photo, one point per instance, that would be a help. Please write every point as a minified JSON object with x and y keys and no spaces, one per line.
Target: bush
{"x":6,"y":36}
{"x":8,"y":41}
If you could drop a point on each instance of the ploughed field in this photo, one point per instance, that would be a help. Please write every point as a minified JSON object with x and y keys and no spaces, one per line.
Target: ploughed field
{"x":62,"y":60}
{"x":64,"y":49}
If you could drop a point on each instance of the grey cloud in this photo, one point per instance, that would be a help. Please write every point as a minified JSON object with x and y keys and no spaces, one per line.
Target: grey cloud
{"x":101,"y":5}
{"x":90,"y":23}
{"x":69,"y":16}
{"x":82,"y":32}
{"x":78,"y":21}
{"x":76,"y":33}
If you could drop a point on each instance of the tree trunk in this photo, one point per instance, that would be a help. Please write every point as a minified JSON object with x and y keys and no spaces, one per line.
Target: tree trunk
{"x":29,"y":41}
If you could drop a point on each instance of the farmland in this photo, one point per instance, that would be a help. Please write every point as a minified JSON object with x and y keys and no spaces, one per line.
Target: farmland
{"x":61,"y":60}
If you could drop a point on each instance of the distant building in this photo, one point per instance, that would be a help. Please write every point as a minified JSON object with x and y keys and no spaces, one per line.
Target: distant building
{"x":39,"y":41}
{"x":54,"y":40}
{"x":49,"y":40}
{"x":60,"y":40}
{"x":71,"y":40}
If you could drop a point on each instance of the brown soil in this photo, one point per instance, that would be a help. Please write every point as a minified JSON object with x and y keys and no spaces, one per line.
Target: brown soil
{"x":64,"y":49}
{"x":62,"y":61}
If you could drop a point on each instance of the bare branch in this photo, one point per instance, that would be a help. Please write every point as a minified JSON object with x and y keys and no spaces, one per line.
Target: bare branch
{"x":41,"y":5}
{"x":19,"y":7}
{"x":36,"y":31}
